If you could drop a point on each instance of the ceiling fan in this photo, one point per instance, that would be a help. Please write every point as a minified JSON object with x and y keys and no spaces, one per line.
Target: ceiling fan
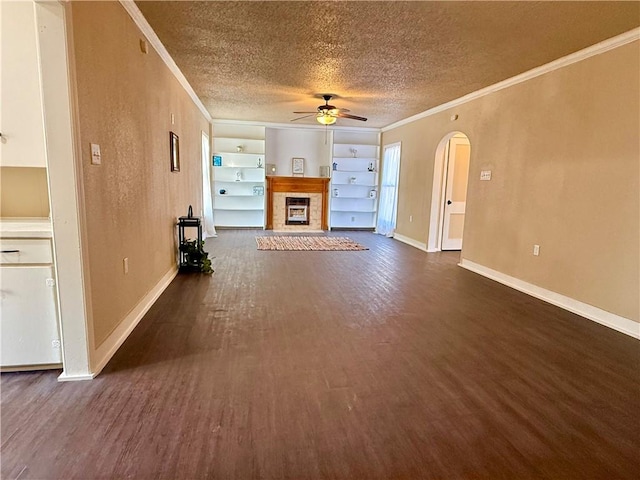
{"x":328,"y":114}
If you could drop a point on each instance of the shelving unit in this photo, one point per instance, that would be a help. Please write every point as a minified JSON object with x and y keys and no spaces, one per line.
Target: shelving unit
{"x":239,"y":182}
{"x":354,"y":179}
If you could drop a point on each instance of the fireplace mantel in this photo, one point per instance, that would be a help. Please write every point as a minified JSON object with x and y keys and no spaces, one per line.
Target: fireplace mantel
{"x":298,"y":185}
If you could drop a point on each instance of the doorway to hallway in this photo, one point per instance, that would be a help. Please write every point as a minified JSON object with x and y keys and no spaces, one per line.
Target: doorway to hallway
{"x":449,"y":193}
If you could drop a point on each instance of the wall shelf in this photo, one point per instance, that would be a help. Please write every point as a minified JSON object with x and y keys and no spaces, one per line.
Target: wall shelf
{"x":354,"y":177}
{"x":242,"y":152}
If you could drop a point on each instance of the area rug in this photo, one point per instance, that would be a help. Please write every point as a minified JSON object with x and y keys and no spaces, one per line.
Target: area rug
{"x":289,"y":243}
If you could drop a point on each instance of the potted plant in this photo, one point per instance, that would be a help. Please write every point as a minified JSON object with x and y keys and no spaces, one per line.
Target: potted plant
{"x":194,"y":257}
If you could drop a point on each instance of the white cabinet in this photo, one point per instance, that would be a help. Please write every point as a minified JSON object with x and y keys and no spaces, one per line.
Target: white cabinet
{"x":29,"y":333}
{"x":22,"y":118}
{"x":238,"y":176}
{"x":354,"y":179}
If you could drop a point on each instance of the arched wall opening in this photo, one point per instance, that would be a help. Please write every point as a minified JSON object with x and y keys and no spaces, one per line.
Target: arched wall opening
{"x":439,"y":208}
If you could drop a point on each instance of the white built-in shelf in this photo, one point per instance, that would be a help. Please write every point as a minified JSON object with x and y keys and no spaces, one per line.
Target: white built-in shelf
{"x":241,"y":149}
{"x":354,"y":179}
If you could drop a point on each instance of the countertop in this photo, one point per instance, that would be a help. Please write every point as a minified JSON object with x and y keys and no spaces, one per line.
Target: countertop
{"x":25,"y":228}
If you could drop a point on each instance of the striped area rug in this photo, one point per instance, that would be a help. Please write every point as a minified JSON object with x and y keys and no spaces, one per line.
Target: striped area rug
{"x":289,"y":243}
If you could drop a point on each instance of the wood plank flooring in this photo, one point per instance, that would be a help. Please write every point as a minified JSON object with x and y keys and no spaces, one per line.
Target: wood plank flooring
{"x":379,"y":364}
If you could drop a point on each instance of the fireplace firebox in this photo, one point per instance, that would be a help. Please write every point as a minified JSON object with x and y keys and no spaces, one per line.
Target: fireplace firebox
{"x":297,"y":211}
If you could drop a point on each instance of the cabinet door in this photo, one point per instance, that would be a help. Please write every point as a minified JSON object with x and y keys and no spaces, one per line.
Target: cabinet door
{"x":22,"y":114}
{"x":28,"y":326}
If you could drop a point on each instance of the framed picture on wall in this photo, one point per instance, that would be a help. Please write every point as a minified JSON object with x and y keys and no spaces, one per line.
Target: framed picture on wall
{"x":297,"y":166}
{"x":174,"y":149}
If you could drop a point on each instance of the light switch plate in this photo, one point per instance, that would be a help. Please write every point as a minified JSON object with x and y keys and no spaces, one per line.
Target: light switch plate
{"x":96,"y":158}
{"x":485,"y":175}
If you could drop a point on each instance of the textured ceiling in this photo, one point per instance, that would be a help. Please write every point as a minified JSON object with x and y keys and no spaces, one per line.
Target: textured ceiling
{"x":386,"y":61}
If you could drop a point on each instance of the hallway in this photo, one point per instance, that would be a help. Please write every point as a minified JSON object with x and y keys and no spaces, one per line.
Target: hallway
{"x":386,"y":363}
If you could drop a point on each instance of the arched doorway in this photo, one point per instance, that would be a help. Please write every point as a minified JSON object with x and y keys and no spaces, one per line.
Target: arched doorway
{"x":449,"y":193}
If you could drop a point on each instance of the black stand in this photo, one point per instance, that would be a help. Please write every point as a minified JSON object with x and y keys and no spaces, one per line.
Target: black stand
{"x":187,"y":222}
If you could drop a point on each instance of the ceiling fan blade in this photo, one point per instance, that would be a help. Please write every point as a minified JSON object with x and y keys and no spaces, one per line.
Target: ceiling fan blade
{"x":304,"y":112}
{"x":352,"y":117}
{"x":300,"y":118}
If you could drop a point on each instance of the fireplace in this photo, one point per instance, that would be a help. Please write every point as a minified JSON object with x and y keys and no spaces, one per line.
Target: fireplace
{"x":297,"y":211}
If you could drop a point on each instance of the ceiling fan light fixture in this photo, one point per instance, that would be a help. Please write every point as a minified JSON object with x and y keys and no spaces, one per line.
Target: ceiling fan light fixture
{"x":325,"y":119}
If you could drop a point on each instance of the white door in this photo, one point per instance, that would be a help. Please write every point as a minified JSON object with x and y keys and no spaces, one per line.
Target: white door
{"x":455,"y":193}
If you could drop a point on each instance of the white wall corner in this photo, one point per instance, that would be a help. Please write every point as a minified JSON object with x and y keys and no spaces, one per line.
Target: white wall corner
{"x":410,"y":241}
{"x":108,"y":348}
{"x":608,"y":319}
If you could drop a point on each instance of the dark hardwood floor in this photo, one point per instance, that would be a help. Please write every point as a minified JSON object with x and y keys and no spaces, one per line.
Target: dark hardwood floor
{"x":386,"y":363}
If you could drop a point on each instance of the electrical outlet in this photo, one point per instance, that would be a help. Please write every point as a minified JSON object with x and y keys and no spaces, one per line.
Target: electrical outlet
{"x":96,"y":157}
{"x":536,"y":250}
{"x":125,"y":265}
{"x":51,"y":282}
{"x":55,"y":343}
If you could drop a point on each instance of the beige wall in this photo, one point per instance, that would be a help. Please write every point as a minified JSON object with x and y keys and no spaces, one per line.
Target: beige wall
{"x":564,"y":153}
{"x":125,"y":101}
{"x":23,"y":192}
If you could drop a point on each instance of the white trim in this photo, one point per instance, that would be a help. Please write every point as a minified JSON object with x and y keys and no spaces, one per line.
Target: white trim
{"x":56,"y":63}
{"x":137,"y":17}
{"x":597,"y":49}
{"x":608,"y":319}
{"x":389,"y":145}
{"x":108,"y":348}
{"x":63,"y":377}
{"x":410,"y":241}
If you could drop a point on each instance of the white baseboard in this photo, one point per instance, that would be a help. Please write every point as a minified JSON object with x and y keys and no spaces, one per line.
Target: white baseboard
{"x":75,"y":378}
{"x":108,"y":348}
{"x":410,"y":241}
{"x":611,"y":320}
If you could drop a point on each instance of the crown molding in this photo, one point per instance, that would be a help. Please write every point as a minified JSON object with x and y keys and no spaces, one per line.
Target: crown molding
{"x":597,"y":49}
{"x":298,"y":126}
{"x":135,"y":13}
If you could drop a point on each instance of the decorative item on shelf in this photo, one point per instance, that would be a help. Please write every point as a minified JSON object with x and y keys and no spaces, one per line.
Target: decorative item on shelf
{"x":335,"y":166}
{"x":258,"y":190}
{"x":240,"y":149}
{"x":174,"y":150}
{"x":217,"y":161}
{"x":336,"y":192}
{"x":238,"y":176}
{"x":222,"y":191}
{"x":259,"y":162}
{"x":352,"y":180}
{"x":372,"y":193}
{"x":370,"y":168}
{"x":354,"y":152}
{"x":297,"y":166}
{"x":192,"y":257}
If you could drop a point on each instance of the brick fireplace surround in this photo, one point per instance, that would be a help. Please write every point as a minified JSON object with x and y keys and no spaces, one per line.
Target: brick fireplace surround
{"x":315,"y":188}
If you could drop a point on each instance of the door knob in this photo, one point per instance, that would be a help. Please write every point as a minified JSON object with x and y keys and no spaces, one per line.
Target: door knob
{"x":448,"y":202}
